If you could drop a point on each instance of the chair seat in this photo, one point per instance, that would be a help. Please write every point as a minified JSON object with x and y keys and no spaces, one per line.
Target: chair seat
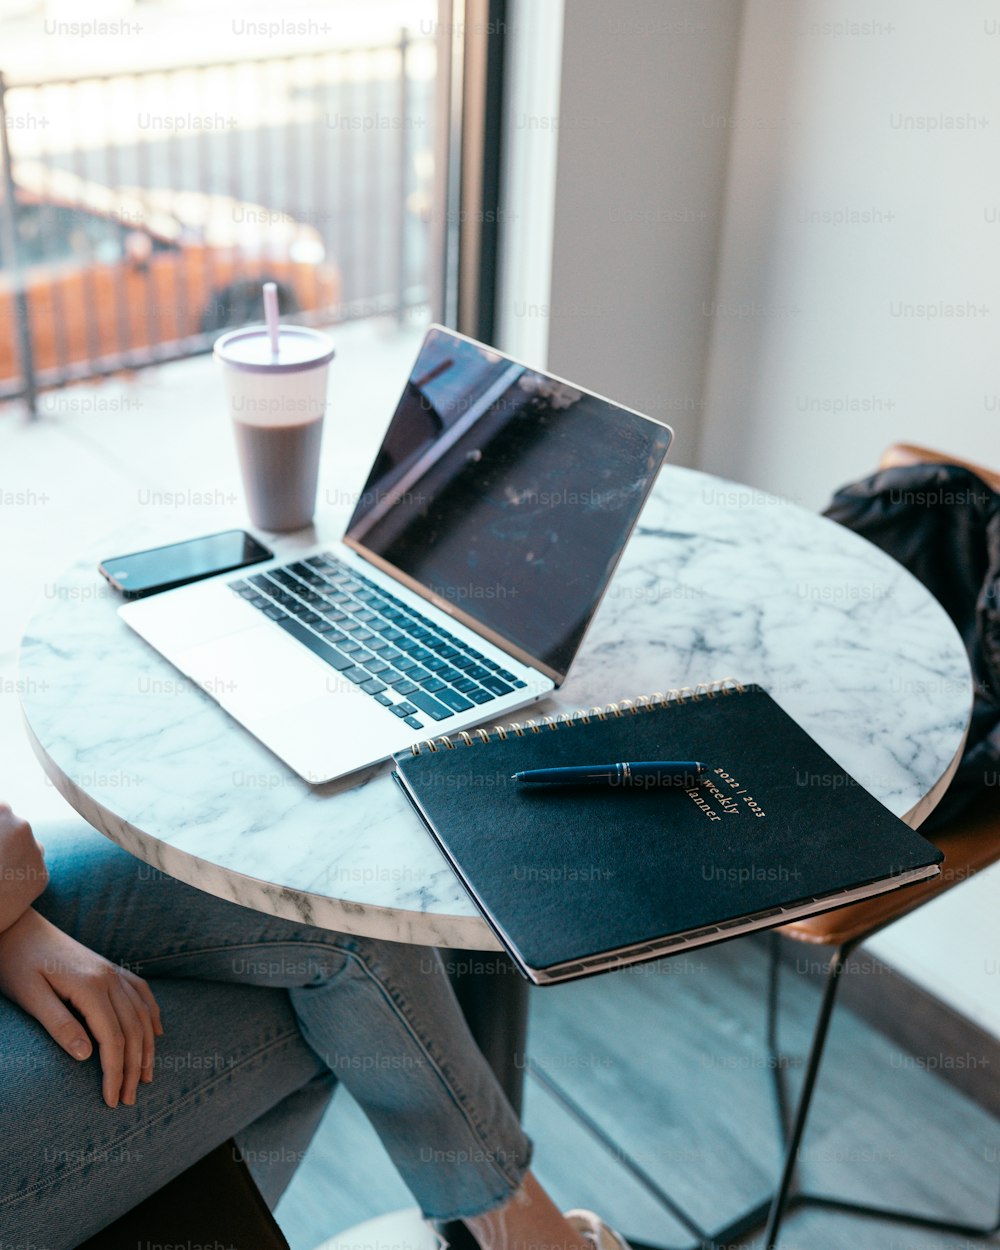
{"x":213,"y":1203}
{"x":969,"y":844}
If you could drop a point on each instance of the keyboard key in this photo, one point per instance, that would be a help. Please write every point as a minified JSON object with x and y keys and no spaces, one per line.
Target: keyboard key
{"x":387,"y":653}
{"x":261,"y":582}
{"x":433,"y":684}
{"x":481,"y":696}
{"x":434,"y":664}
{"x":392,"y":678}
{"x":452,"y":699}
{"x":519,"y":685}
{"x":349,"y":645}
{"x":391,"y":634}
{"x":462,"y":661}
{"x":316,"y":645}
{"x":496,"y":685}
{"x":364,"y":615}
{"x":418,"y":674}
{"x":408,"y":708}
{"x":366,"y":636}
{"x":361,"y":656}
{"x":357,"y":675}
{"x":325,"y":628}
{"x":276,"y":614}
{"x":477,"y":671}
{"x":242,"y":588}
{"x":413,"y":722}
{"x":406,"y":644}
{"x":384,"y":700}
{"x":427,"y":703}
{"x":464,"y":685}
{"x":405,"y":686}
{"x":447,"y":652}
{"x":404,"y":664}
{"x":399,"y":709}
{"x":450,"y":675}
{"x":372,"y":686}
{"x":376,"y":665}
{"x":502,"y":672}
{"x":421,"y":654}
{"x":310,"y":618}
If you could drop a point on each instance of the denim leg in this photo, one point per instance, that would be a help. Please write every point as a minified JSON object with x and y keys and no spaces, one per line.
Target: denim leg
{"x":380,"y":1016}
{"x":69,"y":1165}
{"x":275,"y":1144}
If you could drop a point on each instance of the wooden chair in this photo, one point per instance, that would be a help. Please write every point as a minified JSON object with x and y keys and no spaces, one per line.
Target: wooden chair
{"x":970,"y":843}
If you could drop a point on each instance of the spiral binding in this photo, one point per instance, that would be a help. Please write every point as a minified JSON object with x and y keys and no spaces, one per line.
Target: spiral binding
{"x":642,"y":703}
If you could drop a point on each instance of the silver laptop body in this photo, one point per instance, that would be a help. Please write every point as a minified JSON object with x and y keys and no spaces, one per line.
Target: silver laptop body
{"x":493,"y":517}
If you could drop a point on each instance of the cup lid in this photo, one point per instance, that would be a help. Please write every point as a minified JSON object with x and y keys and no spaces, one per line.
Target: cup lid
{"x":299,"y":347}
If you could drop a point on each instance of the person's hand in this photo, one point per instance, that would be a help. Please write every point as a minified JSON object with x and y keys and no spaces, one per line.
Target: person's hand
{"x":42,"y":969}
{"x":23,"y":875}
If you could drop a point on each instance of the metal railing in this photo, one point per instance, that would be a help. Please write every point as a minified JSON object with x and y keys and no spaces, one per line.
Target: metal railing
{"x":140,"y":213}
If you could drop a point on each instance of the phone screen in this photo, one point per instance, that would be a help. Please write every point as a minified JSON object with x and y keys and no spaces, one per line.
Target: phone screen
{"x":160,"y":568}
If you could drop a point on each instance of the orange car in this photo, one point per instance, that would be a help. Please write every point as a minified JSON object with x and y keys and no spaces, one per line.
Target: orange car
{"x":112,"y":271}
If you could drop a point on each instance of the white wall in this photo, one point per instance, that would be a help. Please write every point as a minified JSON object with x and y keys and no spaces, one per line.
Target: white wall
{"x":638,"y":195}
{"x":857,"y":300}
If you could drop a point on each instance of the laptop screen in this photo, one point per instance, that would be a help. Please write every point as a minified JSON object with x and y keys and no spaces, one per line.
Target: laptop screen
{"x":507,"y":493}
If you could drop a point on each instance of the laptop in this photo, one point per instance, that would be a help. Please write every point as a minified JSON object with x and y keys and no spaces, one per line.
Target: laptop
{"x":493,"y":517}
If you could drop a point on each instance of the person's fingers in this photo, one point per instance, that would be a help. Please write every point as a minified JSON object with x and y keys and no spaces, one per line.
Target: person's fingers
{"x":128,"y":1010}
{"x":90,"y":995}
{"x":146,"y":994}
{"x":39,"y":998}
{"x":148,"y":1039}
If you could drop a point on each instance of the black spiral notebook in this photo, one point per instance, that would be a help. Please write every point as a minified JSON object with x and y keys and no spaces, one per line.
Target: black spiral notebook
{"x":578,"y":880}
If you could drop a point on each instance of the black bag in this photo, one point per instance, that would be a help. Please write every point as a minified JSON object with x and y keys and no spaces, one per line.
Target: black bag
{"x":942,"y":522}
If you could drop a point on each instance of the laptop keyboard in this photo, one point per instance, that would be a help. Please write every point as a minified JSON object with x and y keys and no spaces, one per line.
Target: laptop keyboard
{"x":412,"y":666}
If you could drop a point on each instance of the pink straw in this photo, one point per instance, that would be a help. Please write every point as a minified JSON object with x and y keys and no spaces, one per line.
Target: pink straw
{"x":271,"y":315}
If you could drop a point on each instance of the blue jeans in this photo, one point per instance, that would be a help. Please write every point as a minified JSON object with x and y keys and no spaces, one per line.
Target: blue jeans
{"x":262,"y":1017}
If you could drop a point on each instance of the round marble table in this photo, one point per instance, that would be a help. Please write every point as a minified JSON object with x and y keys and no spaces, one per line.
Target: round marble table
{"x":718,"y":580}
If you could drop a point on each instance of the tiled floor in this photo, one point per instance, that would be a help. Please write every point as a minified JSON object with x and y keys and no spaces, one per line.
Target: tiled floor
{"x":667,"y":1062}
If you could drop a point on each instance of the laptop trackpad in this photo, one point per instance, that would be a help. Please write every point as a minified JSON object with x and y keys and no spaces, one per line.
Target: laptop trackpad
{"x":262,"y":670}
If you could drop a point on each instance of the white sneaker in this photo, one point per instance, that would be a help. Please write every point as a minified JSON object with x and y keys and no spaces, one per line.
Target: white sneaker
{"x":599,"y":1234}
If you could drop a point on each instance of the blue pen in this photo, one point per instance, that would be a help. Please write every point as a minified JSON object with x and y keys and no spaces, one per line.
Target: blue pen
{"x":638,"y":773}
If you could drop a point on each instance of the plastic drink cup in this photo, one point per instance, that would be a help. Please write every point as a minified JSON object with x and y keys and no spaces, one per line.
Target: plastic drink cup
{"x":277,"y":401}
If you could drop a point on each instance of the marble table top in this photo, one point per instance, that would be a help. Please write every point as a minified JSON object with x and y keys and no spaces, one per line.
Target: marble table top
{"x":718,"y":580}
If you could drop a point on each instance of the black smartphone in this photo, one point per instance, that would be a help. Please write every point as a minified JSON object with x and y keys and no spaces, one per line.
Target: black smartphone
{"x":163,"y":568}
